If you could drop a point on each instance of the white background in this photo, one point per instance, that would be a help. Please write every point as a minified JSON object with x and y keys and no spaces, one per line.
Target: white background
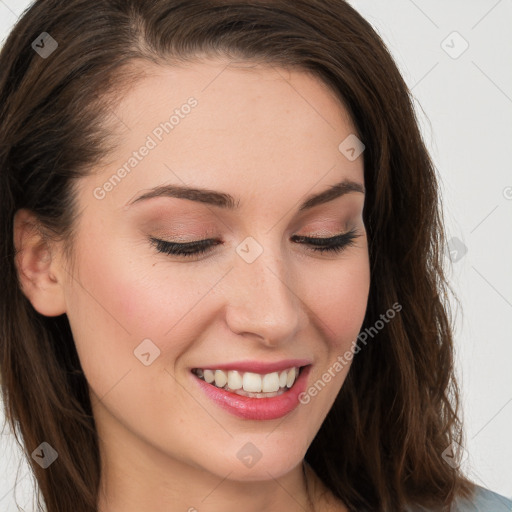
{"x":464,"y":106}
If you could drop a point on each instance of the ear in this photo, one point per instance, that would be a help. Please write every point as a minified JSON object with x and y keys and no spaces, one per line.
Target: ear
{"x":38,"y":272}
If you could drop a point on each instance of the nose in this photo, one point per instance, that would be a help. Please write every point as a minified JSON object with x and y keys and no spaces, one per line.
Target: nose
{"x":261,"y":300}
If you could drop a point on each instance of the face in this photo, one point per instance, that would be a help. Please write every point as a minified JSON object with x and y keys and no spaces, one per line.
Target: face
{"x":255,"y":303}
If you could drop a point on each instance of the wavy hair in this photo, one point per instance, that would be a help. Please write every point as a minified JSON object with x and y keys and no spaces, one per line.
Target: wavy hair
{"x":380,"y":446}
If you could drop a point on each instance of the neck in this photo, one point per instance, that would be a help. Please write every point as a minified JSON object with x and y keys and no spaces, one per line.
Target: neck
{"x":146,"y":480}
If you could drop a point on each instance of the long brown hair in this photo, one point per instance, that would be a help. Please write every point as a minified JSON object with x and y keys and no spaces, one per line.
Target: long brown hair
{"x":381,"y":444}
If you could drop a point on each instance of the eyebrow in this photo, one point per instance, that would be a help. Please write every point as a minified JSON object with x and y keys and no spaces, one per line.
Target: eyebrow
{"x":227,"y":201}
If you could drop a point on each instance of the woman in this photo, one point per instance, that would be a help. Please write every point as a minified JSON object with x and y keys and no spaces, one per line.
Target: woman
{"x":178,"y":333}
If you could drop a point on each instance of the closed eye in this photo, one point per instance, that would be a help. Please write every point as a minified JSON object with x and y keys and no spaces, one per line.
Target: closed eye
{"x":334,"y":244}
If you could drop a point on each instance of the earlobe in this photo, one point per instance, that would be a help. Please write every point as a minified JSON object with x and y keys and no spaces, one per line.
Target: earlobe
{"x":37,"y":270}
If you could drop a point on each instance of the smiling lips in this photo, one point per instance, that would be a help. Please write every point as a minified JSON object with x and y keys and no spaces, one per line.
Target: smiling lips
{"x":254,"y":390}
{"x":254,"y":385}
{"x":287,"y":380}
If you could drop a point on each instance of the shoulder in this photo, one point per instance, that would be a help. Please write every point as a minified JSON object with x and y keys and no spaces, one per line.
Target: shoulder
{"x":484,"y":500}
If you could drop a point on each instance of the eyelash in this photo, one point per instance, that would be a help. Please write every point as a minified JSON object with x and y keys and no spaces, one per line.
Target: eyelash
{"x":335,"y":244}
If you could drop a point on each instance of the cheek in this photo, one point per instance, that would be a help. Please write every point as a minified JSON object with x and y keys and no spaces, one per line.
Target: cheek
{"x":338,"y":299}
{"x":116,"y":308}
{"x":126,"y":300}
{"x":338,"y":294}
{"x":110,"y":310}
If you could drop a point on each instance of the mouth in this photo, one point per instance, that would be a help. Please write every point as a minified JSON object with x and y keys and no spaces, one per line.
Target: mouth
{"x":254,"y":390}
{"x":251,"y":384}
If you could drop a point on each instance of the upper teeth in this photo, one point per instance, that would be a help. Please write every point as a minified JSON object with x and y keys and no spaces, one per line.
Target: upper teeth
{"x":248,"y":381}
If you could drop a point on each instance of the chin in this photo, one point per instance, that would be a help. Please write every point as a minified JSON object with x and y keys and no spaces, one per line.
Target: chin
{"x":257,"y":458}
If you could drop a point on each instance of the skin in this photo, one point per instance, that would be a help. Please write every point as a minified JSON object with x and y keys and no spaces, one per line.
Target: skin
{"x":269,"y":137}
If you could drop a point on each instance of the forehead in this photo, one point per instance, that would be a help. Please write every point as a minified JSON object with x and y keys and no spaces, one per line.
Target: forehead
{"x":224,"y":125}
